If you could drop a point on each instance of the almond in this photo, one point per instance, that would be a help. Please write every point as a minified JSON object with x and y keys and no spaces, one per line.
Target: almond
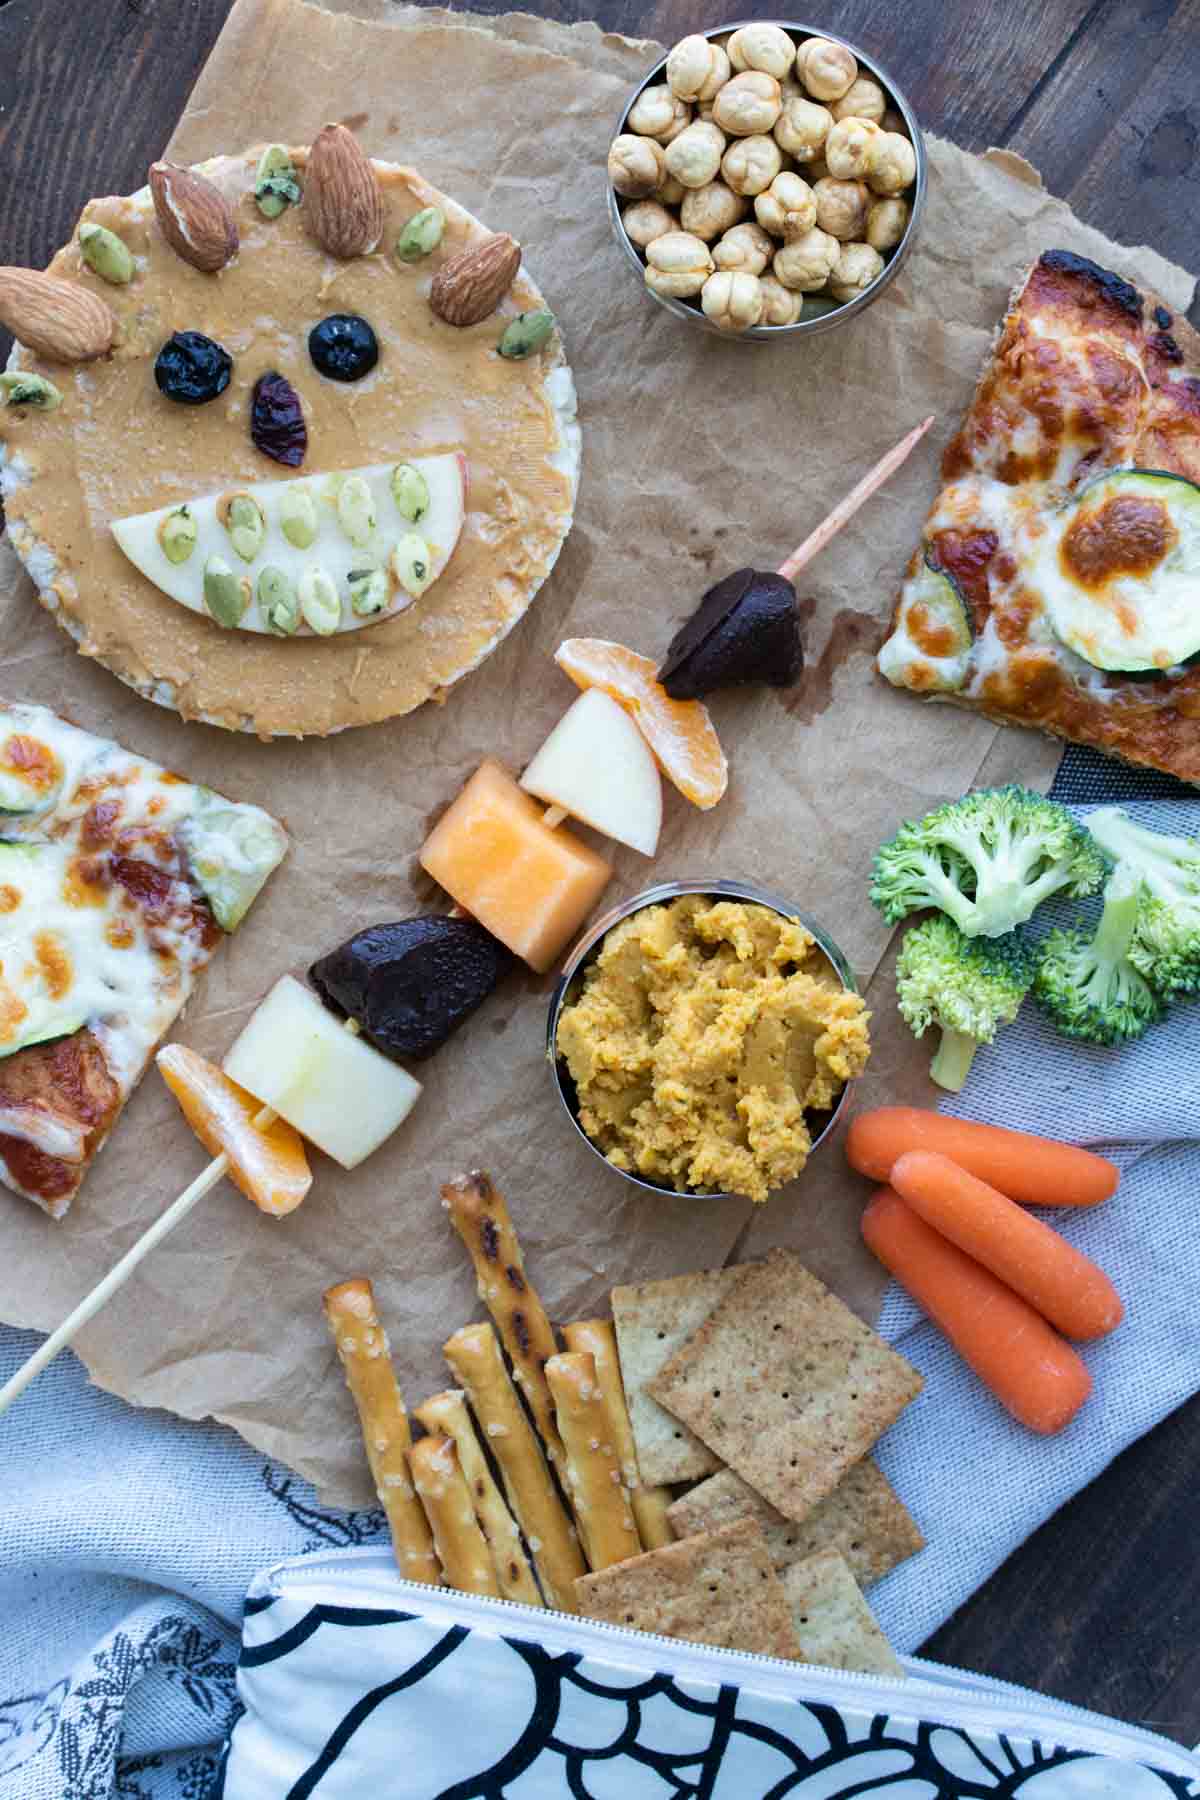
{"x":194,"y":217}
{"x":343,"y":205}
{"x":54,"y":318}
{"x":473,"y":283}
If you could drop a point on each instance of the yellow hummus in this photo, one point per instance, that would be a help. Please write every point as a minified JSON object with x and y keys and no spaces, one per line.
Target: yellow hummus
{"x":703,"y":1035}
{"x":117,"y":447}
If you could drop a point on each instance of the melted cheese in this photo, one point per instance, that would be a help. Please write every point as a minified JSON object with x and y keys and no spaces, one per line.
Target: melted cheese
{"x":77,"y":946}
{"x":64,"y":964}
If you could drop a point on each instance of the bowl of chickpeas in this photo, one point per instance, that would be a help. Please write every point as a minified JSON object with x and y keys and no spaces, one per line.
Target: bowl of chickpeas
{"x":767,"y":180}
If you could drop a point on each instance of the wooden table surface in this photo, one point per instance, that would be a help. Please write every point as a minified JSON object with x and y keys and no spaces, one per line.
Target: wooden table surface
{"x":1100,"y":1607}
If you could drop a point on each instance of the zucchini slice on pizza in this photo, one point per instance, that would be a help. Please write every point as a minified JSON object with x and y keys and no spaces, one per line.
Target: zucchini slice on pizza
{"x":1057,"y":581}
{"x":118,"y":881}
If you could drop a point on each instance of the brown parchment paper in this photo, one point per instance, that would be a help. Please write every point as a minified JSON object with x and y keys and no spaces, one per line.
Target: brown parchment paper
{"x":698,"y":456}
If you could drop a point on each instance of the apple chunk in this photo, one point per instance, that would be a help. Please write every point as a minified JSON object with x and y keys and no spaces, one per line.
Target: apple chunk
{"x":337,"y":1091}
{"x":597,"y":766}
{"x":370,"y":541}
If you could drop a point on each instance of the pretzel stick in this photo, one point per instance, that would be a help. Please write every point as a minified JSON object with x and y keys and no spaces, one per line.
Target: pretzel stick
{"x":650,"y":1504}
{"x":845,"y":509}
{"x":480,"y":1216}
{"x":446,"y":1414}
{"x":446,"y":1498}
{"x":363,"y":1348}
{"x":474,"y":1355}
{"x":593,"y":1469}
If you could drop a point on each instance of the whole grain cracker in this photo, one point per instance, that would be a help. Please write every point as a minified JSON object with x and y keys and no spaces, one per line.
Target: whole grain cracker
{"x":785,"y":1384}
{"x":716,"y":1588}
{"x":835,"y":1626}
{"x":653,"y":1321}
{"x":864,"y":1518}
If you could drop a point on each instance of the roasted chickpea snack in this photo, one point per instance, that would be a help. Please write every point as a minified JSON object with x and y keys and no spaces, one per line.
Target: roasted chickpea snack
{"x":763,"y":178}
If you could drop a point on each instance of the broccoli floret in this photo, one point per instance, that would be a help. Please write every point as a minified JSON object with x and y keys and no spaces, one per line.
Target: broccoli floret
{"x":987,"y":861}
{"x":1087,"y":984}
{"x":1166,"y":940}
{"x":968,"y":986}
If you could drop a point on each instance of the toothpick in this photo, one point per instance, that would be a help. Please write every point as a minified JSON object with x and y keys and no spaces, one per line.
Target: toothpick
{"x":119,"y":1274}
{"x":846,"y":509}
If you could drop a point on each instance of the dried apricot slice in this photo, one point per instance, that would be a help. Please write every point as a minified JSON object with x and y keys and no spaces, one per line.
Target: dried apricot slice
{"x":679,"y":732}
{"x":266,"y":1161}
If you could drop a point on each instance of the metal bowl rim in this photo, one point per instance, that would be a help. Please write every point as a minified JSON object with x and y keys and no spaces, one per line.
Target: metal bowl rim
{"x":656,"y":896}
{"x":761,"y":334}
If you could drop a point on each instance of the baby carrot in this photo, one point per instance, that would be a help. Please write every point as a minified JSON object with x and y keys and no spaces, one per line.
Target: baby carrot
{"x":1037,"y":1171}
{"x":1051,"y":1274}
{"x":1032,"y":1371}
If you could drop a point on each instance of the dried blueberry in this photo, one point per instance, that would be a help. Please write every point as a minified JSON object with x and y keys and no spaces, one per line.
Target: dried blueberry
{"x":344,"y":347}
{"x":745,"y":629}
{"x":276,"y":420}
{"x":410,"y":984}
{"x":191,"y":368}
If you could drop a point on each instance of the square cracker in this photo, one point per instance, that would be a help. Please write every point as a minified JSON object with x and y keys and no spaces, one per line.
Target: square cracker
{"x":864,"y":1518}
{"x":833,"y":1622}
{"x":786,"y":1384}
{"x":716,"y":1588}
{"x":653,"y":1321}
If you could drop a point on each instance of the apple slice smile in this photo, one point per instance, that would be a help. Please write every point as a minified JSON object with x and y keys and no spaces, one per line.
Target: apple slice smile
{"x":438,"y":528}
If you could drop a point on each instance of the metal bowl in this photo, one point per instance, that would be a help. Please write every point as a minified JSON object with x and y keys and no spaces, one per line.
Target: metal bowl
{"x":571,"y":980}
{"x":839,"y":315}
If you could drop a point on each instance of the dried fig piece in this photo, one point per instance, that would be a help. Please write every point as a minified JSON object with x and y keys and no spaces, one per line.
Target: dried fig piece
{"x":745,"y":629}
{"x":410,"y":984}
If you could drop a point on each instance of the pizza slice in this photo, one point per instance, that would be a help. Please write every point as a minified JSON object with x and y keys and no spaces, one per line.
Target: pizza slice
{"x":1057,"y":581}
{"x":118,"y":881}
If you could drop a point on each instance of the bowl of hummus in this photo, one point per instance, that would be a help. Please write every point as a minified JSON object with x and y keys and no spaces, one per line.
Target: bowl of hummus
{"x":704,"y":1037}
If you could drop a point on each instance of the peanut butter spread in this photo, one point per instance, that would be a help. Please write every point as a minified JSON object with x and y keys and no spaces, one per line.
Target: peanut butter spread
{"x":703,"y":1038}
{"x":117,"y":446}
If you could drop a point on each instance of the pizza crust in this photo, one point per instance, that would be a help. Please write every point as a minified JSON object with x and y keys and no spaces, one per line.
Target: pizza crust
{"x":1096,"y":320}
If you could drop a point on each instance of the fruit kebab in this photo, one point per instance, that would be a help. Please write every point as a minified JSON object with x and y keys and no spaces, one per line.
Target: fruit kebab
{"x":521,"y":885}
{"x":747,"y":627}
{"x":294,"y":1073}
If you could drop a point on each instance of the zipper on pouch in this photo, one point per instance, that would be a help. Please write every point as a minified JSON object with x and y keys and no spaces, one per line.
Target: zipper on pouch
{"x":960,"y":1698}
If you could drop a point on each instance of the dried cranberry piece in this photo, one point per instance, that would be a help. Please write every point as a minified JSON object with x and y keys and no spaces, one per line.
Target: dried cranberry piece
{"x":277,"y":420}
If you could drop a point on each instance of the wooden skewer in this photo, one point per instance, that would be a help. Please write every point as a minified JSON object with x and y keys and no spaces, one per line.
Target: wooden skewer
{"x":119,"y":1274}
{"x":846,"y":509}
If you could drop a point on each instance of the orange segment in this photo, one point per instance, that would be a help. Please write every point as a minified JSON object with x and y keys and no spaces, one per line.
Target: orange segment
{"x":267,"y":1162}
{"x":679,"y":732}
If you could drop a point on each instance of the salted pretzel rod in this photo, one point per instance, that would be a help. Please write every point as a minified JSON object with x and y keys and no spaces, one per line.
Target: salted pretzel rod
{"x":474,"y":1355}
{"x":120,"y":1272}
{"x":599,"y":1339}
{"x":480,"y":1215}
{"x":362,"y":1348}
{"x":845,"y":509}
{"x":442,"y":1491}
{"x":593,"y":1465}
{"x":446,"y":1415}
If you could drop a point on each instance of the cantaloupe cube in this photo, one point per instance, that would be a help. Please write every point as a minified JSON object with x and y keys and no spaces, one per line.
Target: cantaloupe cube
{"x":529,"y":884}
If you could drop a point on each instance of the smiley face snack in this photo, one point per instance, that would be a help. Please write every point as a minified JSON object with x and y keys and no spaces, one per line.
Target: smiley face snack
{"x":345,"y":439}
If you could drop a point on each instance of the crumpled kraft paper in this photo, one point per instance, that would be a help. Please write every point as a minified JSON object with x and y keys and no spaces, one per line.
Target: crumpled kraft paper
{"x":698,"y":456}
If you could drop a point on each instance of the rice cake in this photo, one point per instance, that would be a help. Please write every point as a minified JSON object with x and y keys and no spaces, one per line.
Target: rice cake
{"x":65,"y":476}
